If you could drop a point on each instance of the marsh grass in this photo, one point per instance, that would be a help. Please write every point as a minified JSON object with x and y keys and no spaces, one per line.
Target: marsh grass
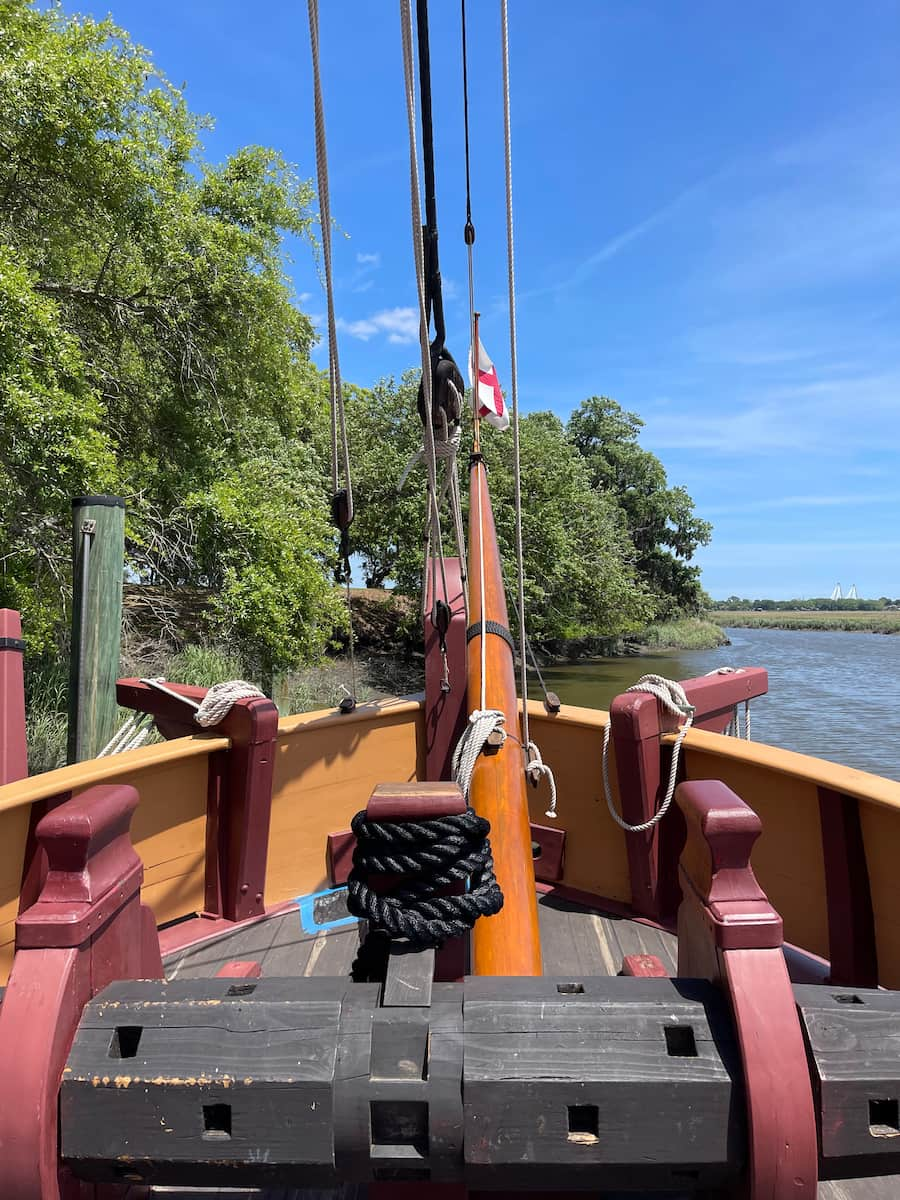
{"x":863,"y":621}
{"x":308,"y":688}
{"x":689,"y":633}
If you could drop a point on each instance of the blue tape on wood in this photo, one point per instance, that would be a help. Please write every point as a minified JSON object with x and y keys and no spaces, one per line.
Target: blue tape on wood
{"x":324,"y":910}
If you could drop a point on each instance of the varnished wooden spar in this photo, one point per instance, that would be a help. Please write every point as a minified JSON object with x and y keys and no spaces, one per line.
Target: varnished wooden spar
{"x":508,"y":943}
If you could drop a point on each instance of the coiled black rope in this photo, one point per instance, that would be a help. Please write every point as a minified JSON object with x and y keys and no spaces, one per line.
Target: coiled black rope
{"x":430,"y":855}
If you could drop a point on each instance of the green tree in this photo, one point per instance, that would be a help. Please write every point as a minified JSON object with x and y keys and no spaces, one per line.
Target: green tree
{"x":660,"y":519}
{"x":580,"y":579}
{"x":149,"y":340}
{"x":388,"y":528}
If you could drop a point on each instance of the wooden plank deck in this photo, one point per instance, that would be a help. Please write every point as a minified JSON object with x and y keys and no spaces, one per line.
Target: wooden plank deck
{"x":575,"y":940}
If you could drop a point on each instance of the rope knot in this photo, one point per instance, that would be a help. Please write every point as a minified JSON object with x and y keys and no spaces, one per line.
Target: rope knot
{"x":535,"y":767}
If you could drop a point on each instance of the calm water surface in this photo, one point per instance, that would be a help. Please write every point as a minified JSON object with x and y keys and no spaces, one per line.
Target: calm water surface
{"x":832,"y":694}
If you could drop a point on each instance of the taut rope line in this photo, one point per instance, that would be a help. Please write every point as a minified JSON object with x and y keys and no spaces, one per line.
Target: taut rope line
{"x":434,"y":516}
{"x":342,"y":500}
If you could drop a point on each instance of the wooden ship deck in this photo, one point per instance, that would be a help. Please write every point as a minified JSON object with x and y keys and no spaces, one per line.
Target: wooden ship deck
{"x":575,"y":940}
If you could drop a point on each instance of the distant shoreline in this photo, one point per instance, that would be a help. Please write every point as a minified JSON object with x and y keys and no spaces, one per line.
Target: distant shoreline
{"x":877,"y":621}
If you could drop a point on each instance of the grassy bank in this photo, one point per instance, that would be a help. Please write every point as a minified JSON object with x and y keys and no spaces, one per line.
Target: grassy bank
{"x":203,"y":665}
{"x":857,"y":622}
{"x":689,"y":633}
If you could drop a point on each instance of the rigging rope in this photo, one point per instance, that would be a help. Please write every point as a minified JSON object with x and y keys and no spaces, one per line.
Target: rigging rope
{"x":535,"y":766}
{"x":469,"y":230}
{"x":482,"y":723}
{"x":433,"y":525}
{"x":673,"y":698}
{"x":342,"y":498}
{"x":734,"y":725}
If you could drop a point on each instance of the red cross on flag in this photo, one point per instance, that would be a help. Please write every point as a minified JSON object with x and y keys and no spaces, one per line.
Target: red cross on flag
{"x":491,"y":405}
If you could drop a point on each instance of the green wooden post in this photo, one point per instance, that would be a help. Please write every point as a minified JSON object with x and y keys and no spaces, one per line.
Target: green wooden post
{"x":98,"y":559}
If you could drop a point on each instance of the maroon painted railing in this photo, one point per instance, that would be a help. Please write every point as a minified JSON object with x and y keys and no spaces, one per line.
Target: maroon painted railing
{"x":642,"y":766}
{"x":239,"y":798}
{"x":86,"y":929}
{"x":851,"y":923}
{"x":728,"y":932}
{"x":445,"y":706}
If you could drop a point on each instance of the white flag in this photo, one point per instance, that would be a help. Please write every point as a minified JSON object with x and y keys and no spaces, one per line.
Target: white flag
{"x":491,"y":405}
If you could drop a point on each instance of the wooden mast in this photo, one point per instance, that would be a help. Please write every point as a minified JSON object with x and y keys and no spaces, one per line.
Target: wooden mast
{"x":507,"y":943}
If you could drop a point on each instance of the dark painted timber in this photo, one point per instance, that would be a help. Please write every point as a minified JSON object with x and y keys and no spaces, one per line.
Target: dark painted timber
{"x":851,"y":924}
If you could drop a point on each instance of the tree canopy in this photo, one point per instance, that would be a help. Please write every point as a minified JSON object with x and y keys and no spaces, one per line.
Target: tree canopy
{"x":151,"y":346}
{"x":149,"y":343}
{"x":660,"y":520}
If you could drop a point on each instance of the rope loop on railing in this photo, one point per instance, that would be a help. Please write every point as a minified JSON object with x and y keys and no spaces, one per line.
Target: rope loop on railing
{"x":672,"y":696}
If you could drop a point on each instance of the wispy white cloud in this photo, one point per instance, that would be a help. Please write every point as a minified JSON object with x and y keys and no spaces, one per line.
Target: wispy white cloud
{"x":837,"y":499}
{"x":614,"y":246}
{"x":369,"y":260}
{"x":399,"y":325}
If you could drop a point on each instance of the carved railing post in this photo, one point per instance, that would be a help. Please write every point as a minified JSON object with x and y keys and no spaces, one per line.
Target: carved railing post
{"x":642,"y":766}
{"x":729,"y":932}
{"x":86,"y":929}
{"x":239,"y":792}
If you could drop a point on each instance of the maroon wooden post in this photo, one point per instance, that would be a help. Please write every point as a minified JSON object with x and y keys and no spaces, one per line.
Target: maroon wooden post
{"x":86,"y":929}
{"x":445,"y":711}
{"x":728,"y":932}
{"x":240,"y":791}
{"x":13,"y":745}
{"x":638,"y":722}
{"x":851,"y":923}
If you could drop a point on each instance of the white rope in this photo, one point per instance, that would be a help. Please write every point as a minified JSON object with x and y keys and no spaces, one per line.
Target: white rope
{"x":160,"y":686}
{"x":513,"y":374}
{"x":733,"y":728}
{"x":133,"y":733}
{"x":536,"y":767}
{"x":482,"y":723}
{"x":338,"y":419}
{"x":444,"y":451}
{"x":672,"y":696}
{"x":220,"y":699}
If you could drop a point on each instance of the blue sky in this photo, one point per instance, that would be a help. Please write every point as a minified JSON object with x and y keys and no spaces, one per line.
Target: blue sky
{"x":707,"y":229}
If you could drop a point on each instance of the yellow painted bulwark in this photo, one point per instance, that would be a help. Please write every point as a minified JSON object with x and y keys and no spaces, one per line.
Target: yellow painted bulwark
{"x":781,"y":786}
{"x":168,"y":828}
{"x":571,"y":742}
{"x":326,"y":768}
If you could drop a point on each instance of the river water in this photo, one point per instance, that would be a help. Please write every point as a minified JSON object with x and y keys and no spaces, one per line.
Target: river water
{"x":832,"y":694}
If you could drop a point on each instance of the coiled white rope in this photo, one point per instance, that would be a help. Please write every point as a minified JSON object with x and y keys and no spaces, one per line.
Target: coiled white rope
{"x":213,"y":708}
{"x":673,"y":698}
{"x":221,"y":698}
{"x":535,"y":767}
{"x":482,"y":723}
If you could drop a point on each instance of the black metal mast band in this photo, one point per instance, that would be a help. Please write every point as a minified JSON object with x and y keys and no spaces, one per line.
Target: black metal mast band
{"x":494,"y":627}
